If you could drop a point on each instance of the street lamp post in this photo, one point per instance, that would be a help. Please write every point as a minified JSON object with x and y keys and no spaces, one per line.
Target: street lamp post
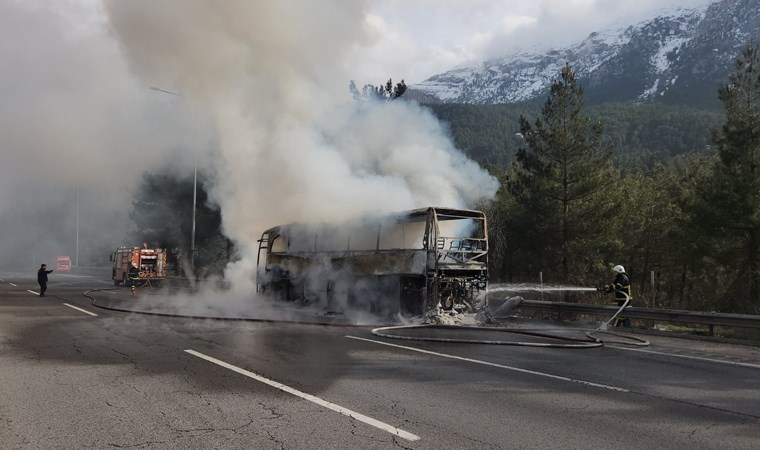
{"x":195,"y":196}
{"x":195,"y":189}
{"x":76,"y":259}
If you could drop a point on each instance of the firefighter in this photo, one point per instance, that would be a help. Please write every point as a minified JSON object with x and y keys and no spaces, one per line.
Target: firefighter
{"x":621,"y":286}
{"x":42,"y":279}
{"x":134,"y":275}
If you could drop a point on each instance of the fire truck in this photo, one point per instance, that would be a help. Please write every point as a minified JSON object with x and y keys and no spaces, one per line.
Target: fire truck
{"x":63,"y":264}
{"x":149,"y":264}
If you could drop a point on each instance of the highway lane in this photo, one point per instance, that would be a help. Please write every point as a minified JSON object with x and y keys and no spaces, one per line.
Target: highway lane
{"x":70,"y":379}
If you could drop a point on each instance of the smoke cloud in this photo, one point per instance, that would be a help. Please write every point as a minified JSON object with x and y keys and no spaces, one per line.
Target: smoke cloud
{"x":291,"y":145}
{"x":74,"y":125}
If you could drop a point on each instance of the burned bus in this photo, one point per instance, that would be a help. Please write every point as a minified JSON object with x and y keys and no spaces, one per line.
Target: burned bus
{"x":411,"y":262}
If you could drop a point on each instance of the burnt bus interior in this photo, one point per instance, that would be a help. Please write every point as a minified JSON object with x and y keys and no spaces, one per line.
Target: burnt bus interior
{"x":411,"y":262}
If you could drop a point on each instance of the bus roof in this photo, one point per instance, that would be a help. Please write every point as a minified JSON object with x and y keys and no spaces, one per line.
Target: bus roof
{"x":413,"y":215}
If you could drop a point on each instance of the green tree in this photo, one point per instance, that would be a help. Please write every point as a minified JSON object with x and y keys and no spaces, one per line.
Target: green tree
{"x":562,"y":183}
{"x":691,"y":278}
{"x":727,"y":206}
{"x":386,"y":92}
{"x":655,"y":238}
{"x":162,"y":211}
{"x":504,"y":230}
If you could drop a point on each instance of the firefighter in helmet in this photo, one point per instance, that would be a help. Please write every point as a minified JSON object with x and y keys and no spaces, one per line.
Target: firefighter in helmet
{"x":134,"y":275}
{"x":621,"y":286}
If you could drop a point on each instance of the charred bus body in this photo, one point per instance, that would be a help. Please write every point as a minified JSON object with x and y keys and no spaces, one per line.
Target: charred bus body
{"x":409,"y":262}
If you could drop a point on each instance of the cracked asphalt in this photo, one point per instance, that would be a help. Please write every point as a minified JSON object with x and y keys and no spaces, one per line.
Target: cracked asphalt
{"x":119,"y":380}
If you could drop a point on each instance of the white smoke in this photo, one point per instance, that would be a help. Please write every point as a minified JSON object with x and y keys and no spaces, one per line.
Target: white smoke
{"x":292,"y":145}
{"x":74,"y":125}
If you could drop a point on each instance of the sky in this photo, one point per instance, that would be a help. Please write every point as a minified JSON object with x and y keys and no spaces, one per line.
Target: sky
{"x":416,"y":39}
{"x":264,"y":106}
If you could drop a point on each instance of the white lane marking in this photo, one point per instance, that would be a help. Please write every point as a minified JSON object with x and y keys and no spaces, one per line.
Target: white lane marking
{"x":332,"y":406}
{"x":13,"y":284}
{"x":35,"y":293}
{"x":80,"y":309}
{"x":486,"y":363}
{"x":719,"y":361}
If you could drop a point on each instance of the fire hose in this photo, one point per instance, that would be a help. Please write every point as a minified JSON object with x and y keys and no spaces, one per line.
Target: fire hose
{"x":592,"y":341}
{"x":632,"y":340}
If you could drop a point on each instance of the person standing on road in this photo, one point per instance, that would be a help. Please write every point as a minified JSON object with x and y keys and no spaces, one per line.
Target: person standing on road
{"x":134,"y":275}
{"x":621,"y":286}
{"x":42,"y":279}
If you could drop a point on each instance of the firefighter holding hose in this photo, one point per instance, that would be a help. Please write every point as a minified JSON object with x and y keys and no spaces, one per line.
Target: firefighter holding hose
{"x":621,"y":286}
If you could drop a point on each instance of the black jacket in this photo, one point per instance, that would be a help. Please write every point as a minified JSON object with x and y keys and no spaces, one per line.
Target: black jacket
{"x":622,"y":283}
{"x":42,"y":275}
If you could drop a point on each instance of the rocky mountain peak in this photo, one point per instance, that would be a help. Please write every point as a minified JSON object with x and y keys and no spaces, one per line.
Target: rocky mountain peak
{"x":680,"y":56}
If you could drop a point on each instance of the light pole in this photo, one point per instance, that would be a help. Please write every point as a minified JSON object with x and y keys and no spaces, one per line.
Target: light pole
{"x":195,"y":196}
{"x":195,"y":188}
{"x":76,"y":259}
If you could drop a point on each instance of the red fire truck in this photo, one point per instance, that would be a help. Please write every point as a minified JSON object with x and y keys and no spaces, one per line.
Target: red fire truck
{"x":149,"y":264}
{"x":62,"y":263}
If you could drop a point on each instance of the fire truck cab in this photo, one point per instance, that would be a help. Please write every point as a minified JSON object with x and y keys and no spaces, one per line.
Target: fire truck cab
{"x":63,"y":263}
{"x":149,"y":263}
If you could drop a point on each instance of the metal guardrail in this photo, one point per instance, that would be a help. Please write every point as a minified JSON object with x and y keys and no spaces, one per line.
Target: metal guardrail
{"x":659,"y":315}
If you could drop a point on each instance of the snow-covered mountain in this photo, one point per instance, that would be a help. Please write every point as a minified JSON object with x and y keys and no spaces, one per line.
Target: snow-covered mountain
{"x":680,"y":56}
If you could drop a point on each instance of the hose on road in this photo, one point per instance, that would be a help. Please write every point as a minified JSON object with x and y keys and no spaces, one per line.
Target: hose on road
{"x":592,"y":341}
{"x":390,"y":332}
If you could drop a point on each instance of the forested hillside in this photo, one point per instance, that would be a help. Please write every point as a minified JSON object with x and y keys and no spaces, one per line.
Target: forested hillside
{"x":641,"y":133}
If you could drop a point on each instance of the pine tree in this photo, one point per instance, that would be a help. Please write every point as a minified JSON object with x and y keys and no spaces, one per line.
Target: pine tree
{"x":727,"y":208}
{"x":561,"y":183}
{"x":383,"y":92}
{"x":162,"y":211}
{"x":504,"y":231}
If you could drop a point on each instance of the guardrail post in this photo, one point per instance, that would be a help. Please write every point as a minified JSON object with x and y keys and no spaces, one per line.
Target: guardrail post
{"x":541,"y":283}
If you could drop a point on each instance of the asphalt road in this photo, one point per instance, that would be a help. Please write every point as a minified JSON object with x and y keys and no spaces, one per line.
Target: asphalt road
{"x":71,"y":379}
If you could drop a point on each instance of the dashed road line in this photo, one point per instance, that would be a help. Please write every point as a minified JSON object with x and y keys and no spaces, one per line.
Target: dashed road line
{"x":16,"y":285}
{"x":35,"y":293}
{"x":80,"y":309}
{"x":486,"y":363}
{"x":332,"y":406}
